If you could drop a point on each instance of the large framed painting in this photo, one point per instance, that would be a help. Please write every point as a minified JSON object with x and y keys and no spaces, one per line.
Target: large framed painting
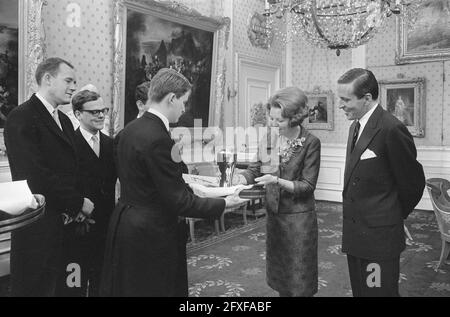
{"x":405,"y":99}
{"x":429,"y":39}
{"x":152,"y":35}
{"x":21,"y":50}
{"x":320,"y":110}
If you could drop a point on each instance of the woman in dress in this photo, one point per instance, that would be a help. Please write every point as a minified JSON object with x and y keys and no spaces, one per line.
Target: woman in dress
{"x":291,"y":217}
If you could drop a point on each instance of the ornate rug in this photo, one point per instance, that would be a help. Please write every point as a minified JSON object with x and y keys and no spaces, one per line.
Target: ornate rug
{"x":233,"y":264}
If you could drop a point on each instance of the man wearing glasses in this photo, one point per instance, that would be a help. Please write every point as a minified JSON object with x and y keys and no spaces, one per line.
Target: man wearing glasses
{"x":85,"y":238}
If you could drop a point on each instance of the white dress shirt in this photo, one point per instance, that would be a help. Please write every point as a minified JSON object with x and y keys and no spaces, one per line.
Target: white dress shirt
{"x":363,"y":121}
{"x":88,"y":137}
{"x":47,"y":104}
{"x":53,"y":111}
{"x":161,"y":116}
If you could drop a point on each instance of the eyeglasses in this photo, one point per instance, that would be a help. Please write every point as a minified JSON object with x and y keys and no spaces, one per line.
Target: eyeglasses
{"x":97,"y":112}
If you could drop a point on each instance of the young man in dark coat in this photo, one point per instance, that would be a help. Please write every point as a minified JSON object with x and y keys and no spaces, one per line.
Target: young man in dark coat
{"x":143,"y":254}
{"x":85,"y":241}
{"x":41,"y":149}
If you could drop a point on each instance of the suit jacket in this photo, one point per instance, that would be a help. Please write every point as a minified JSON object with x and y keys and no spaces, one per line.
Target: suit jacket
{"x":143,"y":255}
{"x":381,"y":191}
{"x":39,"y":152}
{"x":97,"y":178}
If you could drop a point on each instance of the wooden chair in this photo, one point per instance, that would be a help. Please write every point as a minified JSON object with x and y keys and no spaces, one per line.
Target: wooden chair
{"x":192,"y":221}
{"x":204,"y":169}
{"x":438,"y":190}
{"x":242,"y":206}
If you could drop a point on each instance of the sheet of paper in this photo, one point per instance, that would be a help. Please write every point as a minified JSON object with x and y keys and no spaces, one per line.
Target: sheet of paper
{"x":214,"y":192}
{"x":202,"y":180}
{"x":16,"y":197}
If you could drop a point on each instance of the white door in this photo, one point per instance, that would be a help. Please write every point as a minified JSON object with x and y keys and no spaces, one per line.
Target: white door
{"x":256,"y":82}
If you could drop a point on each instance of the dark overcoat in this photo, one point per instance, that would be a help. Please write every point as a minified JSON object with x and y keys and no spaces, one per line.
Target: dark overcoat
{"x":44,"y":155}
{"x":145,"y":251}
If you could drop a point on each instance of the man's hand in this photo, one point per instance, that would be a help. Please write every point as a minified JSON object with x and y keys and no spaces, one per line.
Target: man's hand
{"x":88,"y":207}
{"x":80,"y":217}
{"x":233,"y":201}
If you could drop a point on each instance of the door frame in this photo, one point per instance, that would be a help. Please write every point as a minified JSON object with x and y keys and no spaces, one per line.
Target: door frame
{"x":241,"y":59}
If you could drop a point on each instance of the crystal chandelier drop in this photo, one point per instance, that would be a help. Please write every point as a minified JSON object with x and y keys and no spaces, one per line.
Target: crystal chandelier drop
{"x":335,"y":24}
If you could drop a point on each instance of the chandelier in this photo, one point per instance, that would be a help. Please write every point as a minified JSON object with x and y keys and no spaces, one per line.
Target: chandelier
{"x":334,"y":24}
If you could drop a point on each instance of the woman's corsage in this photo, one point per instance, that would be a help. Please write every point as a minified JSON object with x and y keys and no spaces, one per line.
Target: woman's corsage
{"x":292,"y":147}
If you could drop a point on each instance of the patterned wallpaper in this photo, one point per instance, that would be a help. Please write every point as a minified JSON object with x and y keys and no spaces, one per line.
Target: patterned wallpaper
{"x":318,"y":67}
{"x":243,"y":10}
{"x":326,"y":69}
{"x":381,"y":60}
{"x":446,"y":106}
{"x":89,"y":47}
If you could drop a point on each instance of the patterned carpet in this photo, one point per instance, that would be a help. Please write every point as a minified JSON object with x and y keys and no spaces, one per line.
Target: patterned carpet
{"x":233,"y":264}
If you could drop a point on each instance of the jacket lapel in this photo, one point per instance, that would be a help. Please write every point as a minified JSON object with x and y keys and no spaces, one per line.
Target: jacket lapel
{"x":87,"y":148}
{"x":48,"y":119}
{"x":102,"y":145}
{"x":370,"y":130}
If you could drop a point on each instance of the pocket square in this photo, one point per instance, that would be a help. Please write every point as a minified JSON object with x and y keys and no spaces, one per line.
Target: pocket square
{"x":368,"y":154}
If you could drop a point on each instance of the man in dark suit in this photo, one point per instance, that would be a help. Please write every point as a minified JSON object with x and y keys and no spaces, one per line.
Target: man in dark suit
{"x":143,"y":251}
{"x":141,"y":97}
{"x":383,"y":183}
{"x":84,"y":242}
{"x":40,"y":146}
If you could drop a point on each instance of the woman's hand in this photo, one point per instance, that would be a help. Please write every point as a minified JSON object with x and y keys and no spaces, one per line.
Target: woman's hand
{"x":266,"y":180}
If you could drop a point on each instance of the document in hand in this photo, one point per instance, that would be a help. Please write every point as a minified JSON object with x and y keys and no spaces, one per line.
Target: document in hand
{"x":214,"y":192}
{"x":16,"y":197}
{"x":202,"y":180}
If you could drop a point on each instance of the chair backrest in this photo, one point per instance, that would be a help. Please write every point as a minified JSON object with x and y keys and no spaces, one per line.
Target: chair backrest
{"x":207,"y":169}
{"x":437,"y":188}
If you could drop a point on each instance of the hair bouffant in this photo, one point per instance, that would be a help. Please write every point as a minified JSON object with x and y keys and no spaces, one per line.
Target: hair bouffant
{"x":293,"y":104}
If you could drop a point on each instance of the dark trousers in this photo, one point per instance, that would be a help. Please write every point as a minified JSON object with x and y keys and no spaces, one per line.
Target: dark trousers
{"x":181,"y":288}
{"x":87,"y":251}
{"x":372,"y":278}
{"x":44,"y":286}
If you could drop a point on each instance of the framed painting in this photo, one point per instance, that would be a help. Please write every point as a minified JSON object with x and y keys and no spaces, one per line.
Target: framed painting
{"x":429,"y":39}
{"x":405,"y":99}
{"x":320,"y":110}
{"x":21,"y":50}
{"x":151,"y":35}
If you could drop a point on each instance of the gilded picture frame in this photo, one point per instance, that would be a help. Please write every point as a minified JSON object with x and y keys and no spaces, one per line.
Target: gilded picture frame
{"x":405,"y":99}
{"x":30,"y":52}
{"x":320,"y":110}
{"x":429,"y":40}
{"x":173,"y":15}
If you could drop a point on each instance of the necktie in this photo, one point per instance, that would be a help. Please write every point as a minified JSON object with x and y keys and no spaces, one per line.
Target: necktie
{"x":96,"y":145}
{"x":56,"y":118}
{"x":355,"y":135}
